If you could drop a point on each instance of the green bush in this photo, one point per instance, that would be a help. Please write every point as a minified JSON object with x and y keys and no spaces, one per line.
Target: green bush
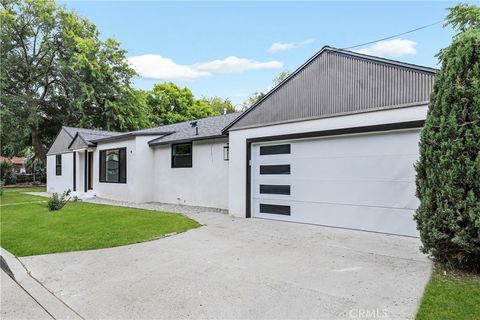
{"x":56,"y":202}
{"x":448,"y":171}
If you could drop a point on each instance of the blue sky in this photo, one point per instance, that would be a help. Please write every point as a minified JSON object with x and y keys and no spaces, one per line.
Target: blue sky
{"x":230,"y":49}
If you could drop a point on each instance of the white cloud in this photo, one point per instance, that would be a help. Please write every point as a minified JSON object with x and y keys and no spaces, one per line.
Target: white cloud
{"x":392,"y":48}
{"x":157,"y":67}
{"x":234,"y":64}
{"x":280,"y":46}
{"x":307,"y":41}
{"x":284,"y":46}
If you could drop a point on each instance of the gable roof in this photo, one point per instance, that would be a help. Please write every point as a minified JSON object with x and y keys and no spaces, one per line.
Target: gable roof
{"x":338,"y":82}
{"x":67,"y":135}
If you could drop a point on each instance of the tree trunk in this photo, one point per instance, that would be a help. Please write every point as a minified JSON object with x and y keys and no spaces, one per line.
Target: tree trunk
{"x":38,"y":146}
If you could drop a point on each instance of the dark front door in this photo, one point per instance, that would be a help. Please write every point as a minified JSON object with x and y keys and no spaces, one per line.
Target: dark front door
{"x":90,"y":170}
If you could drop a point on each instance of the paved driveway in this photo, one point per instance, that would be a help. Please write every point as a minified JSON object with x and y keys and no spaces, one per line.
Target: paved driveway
{"x":243,"y":268}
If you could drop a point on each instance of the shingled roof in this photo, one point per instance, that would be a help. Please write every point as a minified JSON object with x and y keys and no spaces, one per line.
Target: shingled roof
{"x":207,"y":128}
{"x":67,"y":135}
{"x":70,"y":138}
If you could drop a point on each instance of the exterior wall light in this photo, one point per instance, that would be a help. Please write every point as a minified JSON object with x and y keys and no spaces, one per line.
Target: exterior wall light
{"x":226,"y":153}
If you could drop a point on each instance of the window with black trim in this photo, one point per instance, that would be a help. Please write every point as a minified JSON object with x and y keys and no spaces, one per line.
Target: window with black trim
{"x":113,"y":165}
{"x":275,"y":209}
{"x":182,"y":155}
{"x":58,"y":164}
{"x":275,"y":189}
{"x":275,"y":169}
{"x":275,"y":149}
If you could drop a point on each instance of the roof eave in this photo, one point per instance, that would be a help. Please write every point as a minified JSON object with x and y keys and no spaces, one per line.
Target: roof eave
{"x":159,"y":143}
{"x":130,"y":135}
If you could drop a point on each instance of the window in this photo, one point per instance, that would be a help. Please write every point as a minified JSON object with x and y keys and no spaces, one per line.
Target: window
{"x":275,"y":189}
{"x":182,"y":155}
{"x":58,"y":164}
{"x":275,"y":209}
{"x":276,"y":149}
{"x":275,"y":169}
{"x":113,"y":165}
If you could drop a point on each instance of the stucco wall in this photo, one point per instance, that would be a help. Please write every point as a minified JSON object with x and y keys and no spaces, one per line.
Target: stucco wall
{"x":65,"y":181}
{"x":205,"y":184}
{"x":116,"y":191}
{"x":237,"y":140}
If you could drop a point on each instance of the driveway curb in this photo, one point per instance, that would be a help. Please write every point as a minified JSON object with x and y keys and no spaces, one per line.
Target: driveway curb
{"x":47,"y":300}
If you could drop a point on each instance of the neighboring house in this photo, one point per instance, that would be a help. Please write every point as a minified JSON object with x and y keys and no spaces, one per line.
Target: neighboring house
{"x":18,"y":163}
{"x":333,"y":144}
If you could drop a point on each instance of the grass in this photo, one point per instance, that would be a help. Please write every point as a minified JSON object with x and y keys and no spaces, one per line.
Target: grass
{"x":451,"y":297}
{"x":28,"y":228}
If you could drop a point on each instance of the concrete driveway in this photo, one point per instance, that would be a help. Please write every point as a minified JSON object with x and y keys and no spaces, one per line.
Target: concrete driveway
{"x":243,"y":268}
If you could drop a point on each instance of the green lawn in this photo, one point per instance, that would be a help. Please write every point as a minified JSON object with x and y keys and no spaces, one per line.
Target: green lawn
{"x":28,"y":228}
{"x":451,"y":297}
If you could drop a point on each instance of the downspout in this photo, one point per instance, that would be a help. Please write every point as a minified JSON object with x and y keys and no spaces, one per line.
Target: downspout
{"x":86,"y":169}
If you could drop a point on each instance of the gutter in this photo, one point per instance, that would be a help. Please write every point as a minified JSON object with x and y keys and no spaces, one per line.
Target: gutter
{"x":130,"y":135}
{"x":152,"y":143}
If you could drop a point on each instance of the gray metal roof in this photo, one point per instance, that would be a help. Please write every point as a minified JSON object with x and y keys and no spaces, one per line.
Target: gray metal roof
{"x":338,"y":82}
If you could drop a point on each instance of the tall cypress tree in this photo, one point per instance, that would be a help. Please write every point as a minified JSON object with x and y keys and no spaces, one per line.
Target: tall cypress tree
{"x":448,"y":171}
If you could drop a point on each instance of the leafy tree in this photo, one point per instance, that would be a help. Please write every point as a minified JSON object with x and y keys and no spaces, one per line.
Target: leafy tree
{"x":253,"y":98}
{"x":448,"y":171}
{"x":258,"y":95}
{"x":281,"y":76}
{"x":168,"y":103}
{"x":6,"y":169}
{"x":218,"y":105}
{"x":55,"y":70}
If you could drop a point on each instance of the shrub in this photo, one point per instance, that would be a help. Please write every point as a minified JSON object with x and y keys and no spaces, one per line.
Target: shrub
{"x":6,"y":167}
{"x":57,"y":202}
{"x":448,"y":171}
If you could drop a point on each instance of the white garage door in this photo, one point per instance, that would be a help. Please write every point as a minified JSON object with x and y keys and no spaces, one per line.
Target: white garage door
{"x":364,"y":181}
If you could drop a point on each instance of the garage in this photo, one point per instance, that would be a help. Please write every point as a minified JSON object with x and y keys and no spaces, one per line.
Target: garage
{"x":360,"y":181}
{"x":334,"y":144}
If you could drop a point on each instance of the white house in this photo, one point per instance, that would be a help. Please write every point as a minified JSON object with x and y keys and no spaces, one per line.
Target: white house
{"x":333,"y":144}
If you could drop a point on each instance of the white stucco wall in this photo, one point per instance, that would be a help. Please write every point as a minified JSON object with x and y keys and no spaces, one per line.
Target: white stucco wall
{"x":64,"y":182}
{"x":144,"y":169}
{"x":116,"y":191}
{"x":237,"y":140}
{"x":205,"y":184}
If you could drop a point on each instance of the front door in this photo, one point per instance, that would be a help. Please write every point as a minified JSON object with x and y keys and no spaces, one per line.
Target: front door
{"x":90,"y":170}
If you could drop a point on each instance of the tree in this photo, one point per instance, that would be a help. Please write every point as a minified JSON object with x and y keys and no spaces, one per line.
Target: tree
{"x":219,"y":105}
{"x":168,"y":103}
{"x":258,"y":95}
{"x":448,"y":170}
{"x":55,"y":70}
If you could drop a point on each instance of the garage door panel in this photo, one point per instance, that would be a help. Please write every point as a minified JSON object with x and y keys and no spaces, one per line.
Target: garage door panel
{"x":381,"y":168}
{"x":361,"y":193}
{"x":357,"y":145}
{"x":394,"y":221}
